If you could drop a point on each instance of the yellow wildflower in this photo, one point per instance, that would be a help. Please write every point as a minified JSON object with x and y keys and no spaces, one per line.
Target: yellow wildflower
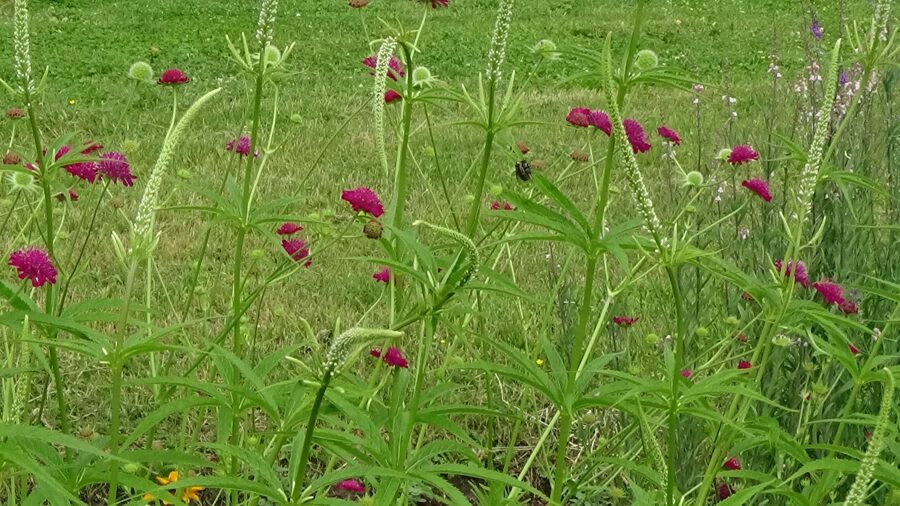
{"x":539,"y":362}
{"x":188,"y":494}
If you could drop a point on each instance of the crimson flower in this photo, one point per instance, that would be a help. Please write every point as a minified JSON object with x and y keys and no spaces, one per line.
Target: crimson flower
{"x":832,"y":293}
{"x":496,"y":206}
{"x":580,"y":117}
{"x":375,"y":352}
{"x":288,"y":229}
{"x":744,"y":364}
{"x":173,"y":76}
{"x":600,"y":120}
{"x":741,"y":154}
{"x":297,"y":249}
{"x":395,"y":68}
{"x":669,"y":134}
{"x":382,"y":276}
{"x":114,"y":166}
{"x":636,"y":136}
{"x":241,"y":146}
{"x":759,"y":187}
{"x":33,"y":263}
{"x":391,"y":96}
{"x":733,"y":464}
{"x":351,"y":486}
{"x":800,"y":275}
{"x":363,"y":199}
{"x":686,"y":373}
{"x":394,"y":358}
{"x":724,"y":491}
{"x":848,"y":307}
{"x":853,"y":349}
{"x":625,"y":321}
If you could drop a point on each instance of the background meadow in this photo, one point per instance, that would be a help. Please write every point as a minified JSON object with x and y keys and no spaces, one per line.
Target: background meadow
{"x":763,"y":74}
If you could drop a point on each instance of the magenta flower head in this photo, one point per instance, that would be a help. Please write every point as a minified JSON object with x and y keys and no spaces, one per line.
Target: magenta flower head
{"x":15,"y":113}
{"x":580,"y":117}
{"x":375,"y":352}
{"x":114,"y":166}
{"x":86,"y":171}
{"x":90,"y":147}
{"x":759,"y":187}
{"x":391,"y":96}
{"x":351,"y":486}
{"x":288,"y":229}
{"x":241,"y":146}
{"x":724,"y":491}
{"x":669,"y":135}
{"x":173,"y":76}
{"x":625,"y":321}
{"x":853,"y":349}
{"x":439,"y":3}
{"x":365,"y":200}
{"x":686,"y":373}
{"x":394,"y":358}
{"x":600,"y":120}
{"x":496,"y":206}
{"x":816,"y":29}
{"x":382,"y":276}
{"x":832,"y":293}
{"x":297,"y":249}
{"x":801,"y":277}
{"x":848,"y":307}
{"x":733,"y":464}
{"x":744,"y":364}
{"x":636,"y":136}
{"x":395,"y":68}
{"x":34,"y":264}
{"x":742,"y":153}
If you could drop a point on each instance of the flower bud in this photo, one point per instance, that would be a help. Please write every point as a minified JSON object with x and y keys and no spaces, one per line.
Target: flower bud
{"x":732,"y":320}
{"x":701,"y":331}
{"x":373,"y":229}
{"x":693,"y":178}
{"x":141,"y":71}
{"x":646,"y":59}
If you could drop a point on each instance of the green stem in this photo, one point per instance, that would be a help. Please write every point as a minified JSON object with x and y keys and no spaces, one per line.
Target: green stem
{"x":678,"y":359}
{"x":297,"y":486}
{"x":475,"y":210}
{"x":400,"y":179}
{"x":116,"y":365}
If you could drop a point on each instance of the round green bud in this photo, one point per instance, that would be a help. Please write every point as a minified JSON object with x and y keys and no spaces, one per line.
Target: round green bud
{"x":616,"y":493}
{"x":693,"y":178}
{"x":296,"y":118}
{"x":819,"y":389}
{"x":634,"y":369}
{"x":723,"y":155}
{"x":252,"y":441}
{"x":690,"y":209}
{"x":651,"y":338}
{"x":130,"y":146}
{"x":184,"y":174}
{"x":781,"y":340}
{"x":590,"y":418}
{"x":732,"y":320}
{"x":546,"y":49}
{"x":646,"y":59}
{"x":257,"y":254}
{"x":131,"y":468}
{"x":495,"y":190}
{"x":428,"y":151}
{"x":272,"y":55}
{"x":701,"y":331}
{"x":422,"y":76}
{"x":469,"y":198}
{"x":809,"y":366}
{"x":141,"y":71}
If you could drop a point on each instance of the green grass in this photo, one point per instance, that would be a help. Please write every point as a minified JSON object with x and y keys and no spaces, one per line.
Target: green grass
{"x":89,"y":46}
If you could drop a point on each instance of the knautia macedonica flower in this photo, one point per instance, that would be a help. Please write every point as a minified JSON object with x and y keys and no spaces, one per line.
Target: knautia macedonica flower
{"x":114,"y":166}
{"x":382,"y":276}
{"x":439,"y":3}
{"x":240,"y":146}
{"x":365,"y":200}
{"x":636,"y":136}
{"x":744,"y":364}
{"x":172,"y":77}
{"x":669,"y":135}
{"x":853,"y":349}
{"x":832,"y":293}
{"x":859,"y":490}
{"x":809,"y":176}
{"x":723,"y":491}
{"x":22,"y":46}
{"x":625,"y":321}
{"x":382,"y":59}
{"x":600,"y":120}
{"x":15,"y":113}
{"x":143,"y":222}
{"x":34,"y":264}
{"x":848,"y":307}
{"x":496,"y":206}
{"x":395,"y":68}
{"x":350,"y":486}
{"x":90,"y":147}
{"x":86,"y":171}
{"x":759,"y":187}
{"x":288,"y":229}
{"x":686,"y":373}
{"x":579,"y":117}
{"x":265,"y":27}
{"x":497,"y":53}
{"x":297,"y":249}
{"x":391,"y":96}
{"x":801,"y":277}
{"x":394,"y":358}
{"x":741,"y":154}
{"x":625,"y":155}
{"x":732,"y":464}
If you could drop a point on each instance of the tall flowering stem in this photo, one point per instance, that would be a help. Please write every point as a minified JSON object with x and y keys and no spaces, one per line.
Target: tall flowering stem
{"x":496,"y":57}
{"x":385,"y":52}
{"x":265,"y":27}
{"x":858,"y":492}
